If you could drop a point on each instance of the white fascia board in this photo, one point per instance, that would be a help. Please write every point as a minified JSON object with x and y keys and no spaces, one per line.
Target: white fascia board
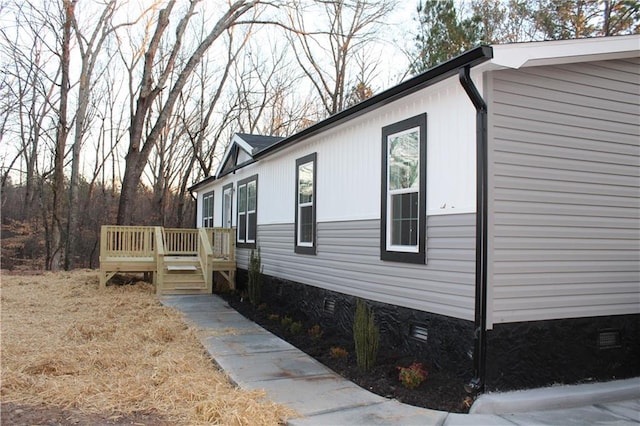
{"x":237,"y":140}
{"x":538,"y":53}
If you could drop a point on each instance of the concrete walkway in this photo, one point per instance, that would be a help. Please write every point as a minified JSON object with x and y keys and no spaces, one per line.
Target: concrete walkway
{"x":256,"y":359}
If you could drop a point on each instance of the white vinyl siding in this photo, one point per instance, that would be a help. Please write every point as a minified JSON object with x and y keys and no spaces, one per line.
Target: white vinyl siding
{"x":564,"y":200}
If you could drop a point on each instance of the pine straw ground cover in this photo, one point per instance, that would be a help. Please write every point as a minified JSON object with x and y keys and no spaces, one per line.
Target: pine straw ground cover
{"x":68,"y":344}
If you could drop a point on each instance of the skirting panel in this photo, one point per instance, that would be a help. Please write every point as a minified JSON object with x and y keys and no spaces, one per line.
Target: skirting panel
{"x":567,"y":351}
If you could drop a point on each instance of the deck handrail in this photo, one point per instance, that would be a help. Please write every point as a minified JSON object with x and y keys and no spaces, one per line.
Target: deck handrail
{"x":222,"y":241}
{"x":127,"y":241}
{"x":180,"y":241}
{"x":205,"y":253}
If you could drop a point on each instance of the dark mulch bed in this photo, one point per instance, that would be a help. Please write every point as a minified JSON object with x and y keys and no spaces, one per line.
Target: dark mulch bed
{"x":439,"y":392}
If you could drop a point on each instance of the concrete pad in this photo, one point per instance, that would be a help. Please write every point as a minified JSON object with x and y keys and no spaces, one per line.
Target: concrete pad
{"x":556,"y":397}
{"x":192,"y":303}
{"x":578,"y":416}
{"x":267,"y":366}
{"x":316,"y":394}
{"x":244,"y":344}
{"x":457,"y":419}
{"x":389,"y":412}
{"x":220,"y":321}
{"x":629,"y":409}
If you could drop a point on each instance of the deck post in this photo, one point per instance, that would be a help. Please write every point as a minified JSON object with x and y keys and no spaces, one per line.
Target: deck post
{"x":103,"y":250}
{"x":159,"y":250}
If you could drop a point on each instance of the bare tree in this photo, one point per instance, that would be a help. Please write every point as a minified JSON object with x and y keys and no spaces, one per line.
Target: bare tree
{"x":138,"y":153}
{"x":62,"y":132}
{"x":90,"y":44}
{"x":325,"y":54}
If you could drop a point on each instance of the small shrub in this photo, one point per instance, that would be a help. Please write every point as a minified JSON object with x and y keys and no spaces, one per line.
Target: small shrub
{"x":296,"y":327}
{"x":366,"y":336}
{"x":262,"y":307}
{"x":315,"y":332}
{"x":411,"y":377}
{"x":274,"y":317}
{"x":286,"y":322}
{"x":255,"y":278}
{"x":338,"y":353}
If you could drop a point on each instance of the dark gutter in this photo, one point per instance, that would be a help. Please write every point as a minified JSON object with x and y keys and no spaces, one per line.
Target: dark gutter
{"x":199,"y":184}
{"x":431,"y":76}
{"x":480,"y":320}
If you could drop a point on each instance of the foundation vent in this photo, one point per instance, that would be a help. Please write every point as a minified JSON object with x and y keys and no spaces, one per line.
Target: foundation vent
{"x":329,"y":306}
{"x":609,"y":339}
{"x":419,"y":332}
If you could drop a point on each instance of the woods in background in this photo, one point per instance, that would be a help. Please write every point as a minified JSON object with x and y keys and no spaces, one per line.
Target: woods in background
{"x":110,"y":110}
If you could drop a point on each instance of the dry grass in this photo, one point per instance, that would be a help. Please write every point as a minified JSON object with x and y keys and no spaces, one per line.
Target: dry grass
{"x":67,"y":343}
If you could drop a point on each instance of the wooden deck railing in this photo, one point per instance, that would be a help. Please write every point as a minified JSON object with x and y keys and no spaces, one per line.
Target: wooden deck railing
{"x":144,"y":241}
{"x":223,"y":242}
{"x":181,"y":242}
{"x":128,"y":241}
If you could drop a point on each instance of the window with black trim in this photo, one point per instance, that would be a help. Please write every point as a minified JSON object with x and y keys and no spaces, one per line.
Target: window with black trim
{"x":305,"y":232}
{"x":404,"y":207}
{"x":247,"y":212}
{"x":207,"y":210}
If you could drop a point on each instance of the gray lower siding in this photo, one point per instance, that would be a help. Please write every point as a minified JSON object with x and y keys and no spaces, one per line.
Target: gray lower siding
{"x":564,"y":191}
{"x":348,"y":261}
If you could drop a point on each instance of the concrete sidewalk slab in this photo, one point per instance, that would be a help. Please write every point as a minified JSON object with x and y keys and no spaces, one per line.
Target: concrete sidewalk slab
{"x":314,"y":395}
{"x":556,"y":397}
{"x":263,"y":366}
{"x":580,"y":416}
{"x":385,"y":413}
{"x":234,"y":343}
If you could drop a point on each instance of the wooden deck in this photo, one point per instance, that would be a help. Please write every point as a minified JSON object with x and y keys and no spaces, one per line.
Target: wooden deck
{"x":182,"y":261}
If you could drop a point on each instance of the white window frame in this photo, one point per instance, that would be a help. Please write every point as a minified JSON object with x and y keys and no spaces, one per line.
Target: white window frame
{"x":391,"y":192}
{"x":207,"y":210}
{"x":306,"y":247}
{"x":245,"y":183}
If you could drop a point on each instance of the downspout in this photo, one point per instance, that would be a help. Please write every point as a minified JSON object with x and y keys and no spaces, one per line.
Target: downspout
{"x":480,"y":321}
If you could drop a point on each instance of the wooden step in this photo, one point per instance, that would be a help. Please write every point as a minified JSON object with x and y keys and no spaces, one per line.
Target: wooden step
{"x":172,"y":268}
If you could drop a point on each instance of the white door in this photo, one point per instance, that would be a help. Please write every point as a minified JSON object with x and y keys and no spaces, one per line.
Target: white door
{"x":227,"y":203}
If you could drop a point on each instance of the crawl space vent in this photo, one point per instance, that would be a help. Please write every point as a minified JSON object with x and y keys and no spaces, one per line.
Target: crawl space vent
{"x":329,"y":306}
{"x":418,"y":332}
{"x":608,"y":339}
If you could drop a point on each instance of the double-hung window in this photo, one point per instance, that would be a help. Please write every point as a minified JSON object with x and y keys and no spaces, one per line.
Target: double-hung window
{"x":305,"y":231}
{"x":247,"y":211}
{"x":403,"y":207}
{"x":207,"y":210}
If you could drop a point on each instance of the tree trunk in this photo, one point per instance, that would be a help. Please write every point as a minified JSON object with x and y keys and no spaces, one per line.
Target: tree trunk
{"x":137,"y":157}
{"x":61,"y":141}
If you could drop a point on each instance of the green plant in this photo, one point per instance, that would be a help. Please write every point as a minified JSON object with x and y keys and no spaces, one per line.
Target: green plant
{"x":262,"y":306}
{"x":296,"y":327}
{"x":411,"y":377}
{"x":366,"y":336}
{"x":255,"y":277}
{"x":274,"y":317}
{"x":286,"y":322}
{"x":315,"y":332}
{"x":338,"y":353}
